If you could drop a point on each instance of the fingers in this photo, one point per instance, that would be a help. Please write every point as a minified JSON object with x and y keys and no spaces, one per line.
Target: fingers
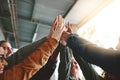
{"x":60,"y":21}
{"x":65,"y":34}
{"x":68,"y":28}
{"x":58,"y":27}
{"x":53,"y":27}
{"x":60,"y":24}
{"x":55,"y":22}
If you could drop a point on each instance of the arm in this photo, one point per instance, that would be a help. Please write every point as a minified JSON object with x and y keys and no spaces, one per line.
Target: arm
{"x":65,"y":62}
{"x":33,"y":62}
{"x":107,"y":59}
{"x":46,"y":71}
{"x":29,"y":66}
{"x":87,"y":70}
{"x":22,"y":53}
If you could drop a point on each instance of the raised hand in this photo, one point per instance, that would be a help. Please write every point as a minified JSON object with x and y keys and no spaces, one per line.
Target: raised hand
{"x":57,"y":28}
{"x":66,"y":34}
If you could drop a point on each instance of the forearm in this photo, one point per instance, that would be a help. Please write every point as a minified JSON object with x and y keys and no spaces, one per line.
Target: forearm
{"x":22,"y":53}
{"x":46,"y":71}
{"x":35,"y":61}
{"x":87,"y":70}
{"x":55,"y":54}
{"x":65,"y":62}
{"x":107,"y":59}
{"x":89,"y":51}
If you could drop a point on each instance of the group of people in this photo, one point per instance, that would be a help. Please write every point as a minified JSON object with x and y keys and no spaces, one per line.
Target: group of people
{"x":37,"y":61}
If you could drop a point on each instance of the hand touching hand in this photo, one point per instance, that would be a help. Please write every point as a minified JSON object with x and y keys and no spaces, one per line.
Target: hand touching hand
{"x":66,"y":34}
{"x":57,"y":28}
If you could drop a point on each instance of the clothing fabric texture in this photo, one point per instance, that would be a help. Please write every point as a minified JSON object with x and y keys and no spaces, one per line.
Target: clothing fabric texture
{"x":107,"y":59}
{"x":46,"y":71}
{"x":65,"y":64}
{"x":31,"y":64}
{"x":22,"y":53}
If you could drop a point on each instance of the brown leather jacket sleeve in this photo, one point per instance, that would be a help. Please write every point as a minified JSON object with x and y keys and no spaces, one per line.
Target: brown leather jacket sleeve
{"x":27,"y":68}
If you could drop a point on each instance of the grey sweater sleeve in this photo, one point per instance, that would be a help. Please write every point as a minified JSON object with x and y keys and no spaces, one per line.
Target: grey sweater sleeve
{"x":22,"y":53}
{"x":65,"y":63}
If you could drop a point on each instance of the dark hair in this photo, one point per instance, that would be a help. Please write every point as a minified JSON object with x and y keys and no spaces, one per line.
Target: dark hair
{"x":2,"y":41}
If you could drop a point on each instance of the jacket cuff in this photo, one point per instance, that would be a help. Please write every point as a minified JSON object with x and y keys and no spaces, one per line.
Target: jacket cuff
{"x":77,"y":44}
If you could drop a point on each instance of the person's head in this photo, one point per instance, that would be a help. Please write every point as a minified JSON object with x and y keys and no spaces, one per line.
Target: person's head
{"x":74,"y":70}
{"x":6,"y":46}
{"x":3,"y":62}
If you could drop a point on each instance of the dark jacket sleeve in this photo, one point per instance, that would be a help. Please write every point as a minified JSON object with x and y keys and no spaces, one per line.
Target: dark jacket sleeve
{"x":87,"y":69}
{"x":22,"y":53}
{"x":46,"y":71}
{"x":107,"y":59}
{"x":65,"y":63}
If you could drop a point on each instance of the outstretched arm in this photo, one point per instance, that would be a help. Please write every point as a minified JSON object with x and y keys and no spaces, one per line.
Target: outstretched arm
{"x":22,"y":53}
{"x":105,"y":58}
{"x":48,"y":69}
{"x":65,"y":63}
{"x":29,"y":66}
{"x":87,"y":69}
